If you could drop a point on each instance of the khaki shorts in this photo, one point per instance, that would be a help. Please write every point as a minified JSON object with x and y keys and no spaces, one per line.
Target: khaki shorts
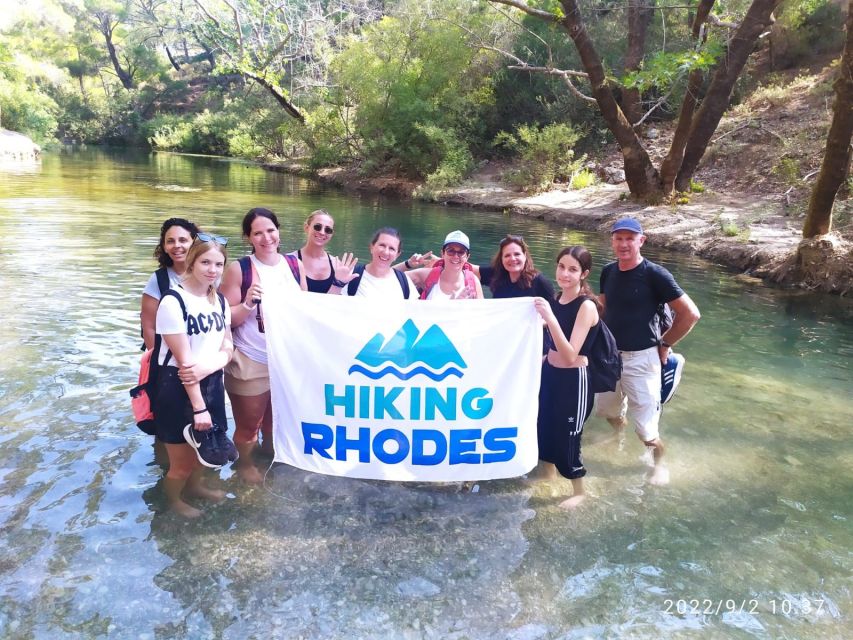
{"x":637,"y":393}
{"x":245,"y":377}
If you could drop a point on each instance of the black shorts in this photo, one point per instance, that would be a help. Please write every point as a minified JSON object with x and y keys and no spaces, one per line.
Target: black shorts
{"x":172,"y":408}
{"x":565,"y":402}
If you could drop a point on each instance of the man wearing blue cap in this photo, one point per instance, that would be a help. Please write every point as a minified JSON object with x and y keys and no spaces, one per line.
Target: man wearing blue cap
{"x":632,"y":288}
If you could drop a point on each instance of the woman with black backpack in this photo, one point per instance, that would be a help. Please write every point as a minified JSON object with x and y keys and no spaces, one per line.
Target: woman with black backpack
{"x":176,"y":238}
{"x":565,"y":396}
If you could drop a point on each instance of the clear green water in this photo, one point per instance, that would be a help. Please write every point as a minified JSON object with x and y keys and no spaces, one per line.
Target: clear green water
{"x":758,"y":516}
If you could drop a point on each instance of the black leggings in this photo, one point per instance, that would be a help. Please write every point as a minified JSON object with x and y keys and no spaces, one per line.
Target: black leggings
{"x":565,"y":403}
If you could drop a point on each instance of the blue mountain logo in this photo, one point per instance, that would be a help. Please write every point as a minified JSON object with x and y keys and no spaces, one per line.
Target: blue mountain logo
{"x":408,"y":353}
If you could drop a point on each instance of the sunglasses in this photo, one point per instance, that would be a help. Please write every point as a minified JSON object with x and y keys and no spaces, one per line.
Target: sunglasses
{"x":327,"y":230}
{"x":455,"y":252}
{"x":206,"y":237}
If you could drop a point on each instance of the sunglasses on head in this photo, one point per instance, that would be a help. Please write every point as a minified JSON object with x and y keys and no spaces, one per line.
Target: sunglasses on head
{"x":319,"y":227}
{"x":206,"y":237}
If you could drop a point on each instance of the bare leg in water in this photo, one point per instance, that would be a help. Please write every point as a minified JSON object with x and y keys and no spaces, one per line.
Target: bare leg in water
{"x":249,"y":412}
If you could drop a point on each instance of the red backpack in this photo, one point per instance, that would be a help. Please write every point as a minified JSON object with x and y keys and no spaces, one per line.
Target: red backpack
{"x":435,"y":274}
{"x":142,"y":395}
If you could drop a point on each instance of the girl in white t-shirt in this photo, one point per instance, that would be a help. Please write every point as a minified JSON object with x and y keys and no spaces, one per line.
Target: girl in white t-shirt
{"x":196,"y":346}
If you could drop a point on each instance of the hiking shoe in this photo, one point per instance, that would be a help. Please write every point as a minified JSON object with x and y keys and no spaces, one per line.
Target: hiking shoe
{"x":670,"y":376}
{"x":206,"y":446}
{"x":226,"y":444}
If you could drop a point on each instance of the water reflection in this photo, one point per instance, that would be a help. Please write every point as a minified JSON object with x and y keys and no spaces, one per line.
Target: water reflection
{"x":758,"y":434}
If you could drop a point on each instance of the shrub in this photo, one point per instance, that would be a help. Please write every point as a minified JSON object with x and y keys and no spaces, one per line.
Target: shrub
{"x":788,"y":169}
{"x":204,"y":132}
{"x":546,"y":155}
{"x":452,"y":159}
{"x":27,"y":110}
{"x":583,"y":179}
{"x":806,"y":28}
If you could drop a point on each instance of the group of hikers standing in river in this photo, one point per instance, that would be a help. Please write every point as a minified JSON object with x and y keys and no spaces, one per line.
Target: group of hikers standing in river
{"x":206,"y":323}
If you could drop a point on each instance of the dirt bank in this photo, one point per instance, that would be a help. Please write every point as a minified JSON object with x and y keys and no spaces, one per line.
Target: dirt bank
{"x":751,"y":233}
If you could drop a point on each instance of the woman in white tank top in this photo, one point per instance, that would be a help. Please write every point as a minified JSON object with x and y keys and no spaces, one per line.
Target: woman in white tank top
{"x":247,"y":377}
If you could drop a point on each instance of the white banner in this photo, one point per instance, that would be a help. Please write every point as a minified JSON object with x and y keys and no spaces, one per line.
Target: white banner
{"x":410,"y":390}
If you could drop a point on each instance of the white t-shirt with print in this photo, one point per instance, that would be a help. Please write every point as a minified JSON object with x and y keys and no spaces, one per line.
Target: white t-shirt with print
{"x":205,"y":324}
{"x":387,"y":288}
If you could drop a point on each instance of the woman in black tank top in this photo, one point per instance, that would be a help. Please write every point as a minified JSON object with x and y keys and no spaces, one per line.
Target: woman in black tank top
{"x":319,"y":269}
{"x":565,"y":399}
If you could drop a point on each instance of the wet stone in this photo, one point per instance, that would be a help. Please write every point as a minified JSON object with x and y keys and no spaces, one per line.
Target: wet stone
{"x":417,"y":588}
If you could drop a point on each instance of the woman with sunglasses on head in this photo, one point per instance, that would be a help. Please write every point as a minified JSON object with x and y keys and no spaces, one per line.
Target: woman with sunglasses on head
{"x":512,"y":274}
{"x":451,"y":277}
{"x":565,"y":399}
{"x":176,"y":238}
{"x":247,"y":376}
{"x":193,"y":321}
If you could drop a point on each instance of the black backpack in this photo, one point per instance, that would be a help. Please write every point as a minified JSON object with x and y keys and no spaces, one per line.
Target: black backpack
{"x":164,"y":285}
{"x":605,"y":362}
{"x":352,"y":287}
{"x":143,"y":396}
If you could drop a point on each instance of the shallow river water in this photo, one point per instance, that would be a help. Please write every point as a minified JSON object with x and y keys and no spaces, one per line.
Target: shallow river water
{"x":752,"y":539}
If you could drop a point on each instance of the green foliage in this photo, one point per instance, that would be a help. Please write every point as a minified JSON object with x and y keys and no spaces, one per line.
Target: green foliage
{"x":545,"y":155}
{"x":411,"y":78}
{"x":204,"y":132}
{"x":696,"y":186}
{"x":28,"y":110}
{"x":662,"y":69}
{"x":729,"y":229}
{"x":451,"y":157}
{"x":325,"y":136}
{"x":583,"y":179}
{"x":805,"y":28}
{"x":788,"y":169}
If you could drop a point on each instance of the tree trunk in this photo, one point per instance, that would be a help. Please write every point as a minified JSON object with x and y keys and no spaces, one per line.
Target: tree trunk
{"x":672,"y":162}
{"x":719,"y":93}
{"x":106,"y":28}
{"x":836,"y":159}
{"x":639,"y":16}
{"x":172,"y":59}
{"x":642,"y":177}
{"x":276,"y":93}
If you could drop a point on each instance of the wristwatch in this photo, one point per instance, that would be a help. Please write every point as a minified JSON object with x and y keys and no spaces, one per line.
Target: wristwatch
{"x":664,"y":343}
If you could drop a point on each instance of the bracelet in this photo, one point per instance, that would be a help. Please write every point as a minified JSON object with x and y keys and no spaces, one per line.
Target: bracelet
{"x":664,"y":343}
{"x":247,"y":307}
{"x":338,"y":283}
{"x":199,"y":412}
{"x":406,"y":264}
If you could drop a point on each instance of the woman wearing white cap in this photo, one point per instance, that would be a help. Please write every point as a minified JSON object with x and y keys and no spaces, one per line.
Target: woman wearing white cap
{"x":451,"y":277}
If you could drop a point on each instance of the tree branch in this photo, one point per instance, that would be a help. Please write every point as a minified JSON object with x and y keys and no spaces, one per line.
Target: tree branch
{"x":521,"y":6}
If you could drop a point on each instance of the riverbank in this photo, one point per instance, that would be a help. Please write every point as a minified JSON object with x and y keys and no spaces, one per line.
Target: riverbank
{"x":752,"y":233}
